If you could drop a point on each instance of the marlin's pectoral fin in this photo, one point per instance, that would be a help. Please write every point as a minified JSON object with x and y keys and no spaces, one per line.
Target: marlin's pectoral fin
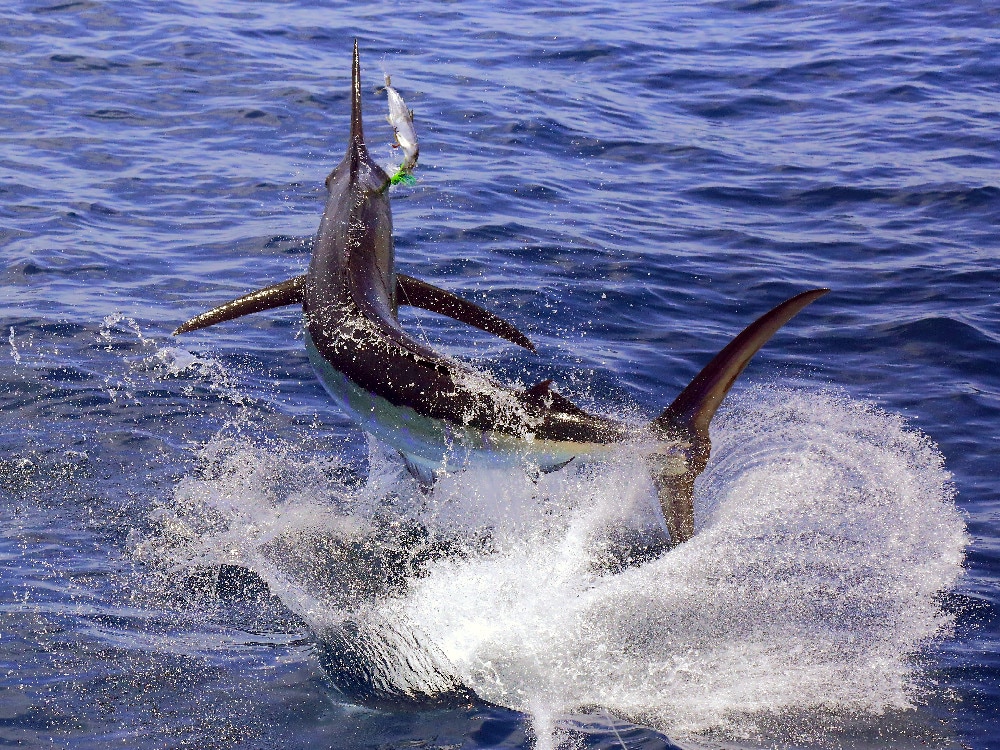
{"x":411,"y":291}
{"x":286,"y":293}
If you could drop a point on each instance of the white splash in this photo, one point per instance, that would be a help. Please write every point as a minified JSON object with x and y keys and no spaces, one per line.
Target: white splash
{"x":825,"y":530}
{"x":13,"y":347}
{"x":120,"y":321}
{"x":147,"y":361}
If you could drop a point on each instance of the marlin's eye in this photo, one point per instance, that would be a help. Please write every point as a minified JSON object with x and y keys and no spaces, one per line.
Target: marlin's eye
{"x":332,"y":176}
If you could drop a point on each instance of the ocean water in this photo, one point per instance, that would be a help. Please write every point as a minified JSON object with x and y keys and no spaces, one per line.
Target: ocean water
{"x":198,"y":550}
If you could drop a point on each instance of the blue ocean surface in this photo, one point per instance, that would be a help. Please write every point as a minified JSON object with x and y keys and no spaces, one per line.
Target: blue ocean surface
{"x":182,"y":519}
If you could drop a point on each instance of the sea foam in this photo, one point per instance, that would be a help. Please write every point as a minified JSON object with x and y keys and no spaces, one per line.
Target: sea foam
{"x":825,"y":531}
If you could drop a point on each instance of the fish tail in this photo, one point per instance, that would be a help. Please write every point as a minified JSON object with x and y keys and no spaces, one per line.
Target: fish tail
{"x":685,"y":422}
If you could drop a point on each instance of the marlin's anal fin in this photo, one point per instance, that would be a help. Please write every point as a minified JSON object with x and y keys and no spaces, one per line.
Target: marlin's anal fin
{"x":425,"y":477}
{"x":684,"y":423}
{"x":416,"y":293}
{"x":286,"y":293}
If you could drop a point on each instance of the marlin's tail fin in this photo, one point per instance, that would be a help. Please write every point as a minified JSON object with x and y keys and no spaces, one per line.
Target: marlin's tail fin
{"x":686,"y":420}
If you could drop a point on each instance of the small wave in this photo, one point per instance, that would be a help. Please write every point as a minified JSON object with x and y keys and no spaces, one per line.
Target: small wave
{"x":769,"y":196}
{"x":942,"y":332}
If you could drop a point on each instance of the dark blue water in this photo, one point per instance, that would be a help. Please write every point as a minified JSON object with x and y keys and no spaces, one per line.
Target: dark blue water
{"x":630,"y":185}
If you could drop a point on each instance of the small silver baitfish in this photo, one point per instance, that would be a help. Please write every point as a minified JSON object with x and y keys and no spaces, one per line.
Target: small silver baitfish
{"x":401,"y":119}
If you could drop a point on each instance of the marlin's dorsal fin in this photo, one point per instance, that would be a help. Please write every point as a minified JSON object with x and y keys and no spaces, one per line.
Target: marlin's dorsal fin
{"x":541,"y":394}
{"x":286,"y":293}
{"x":540,"y":389}
{"x":417,"y":293}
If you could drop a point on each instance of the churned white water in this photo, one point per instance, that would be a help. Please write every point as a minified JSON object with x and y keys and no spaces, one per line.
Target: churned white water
{"x":825,"y":530}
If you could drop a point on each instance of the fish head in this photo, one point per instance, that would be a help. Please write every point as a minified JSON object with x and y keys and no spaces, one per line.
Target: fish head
{"x":353,"y":258}
{"x":357,"y":172}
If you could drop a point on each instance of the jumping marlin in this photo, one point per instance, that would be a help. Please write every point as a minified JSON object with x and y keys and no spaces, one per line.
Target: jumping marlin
{"x":432,"y":408}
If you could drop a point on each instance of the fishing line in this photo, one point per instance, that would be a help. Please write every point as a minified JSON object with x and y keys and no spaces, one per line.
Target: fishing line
{"x":614,"y":728}
{"x":416,"y":318}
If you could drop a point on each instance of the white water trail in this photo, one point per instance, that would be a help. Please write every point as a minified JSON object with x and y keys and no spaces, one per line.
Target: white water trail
{"x":825,"y":530}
